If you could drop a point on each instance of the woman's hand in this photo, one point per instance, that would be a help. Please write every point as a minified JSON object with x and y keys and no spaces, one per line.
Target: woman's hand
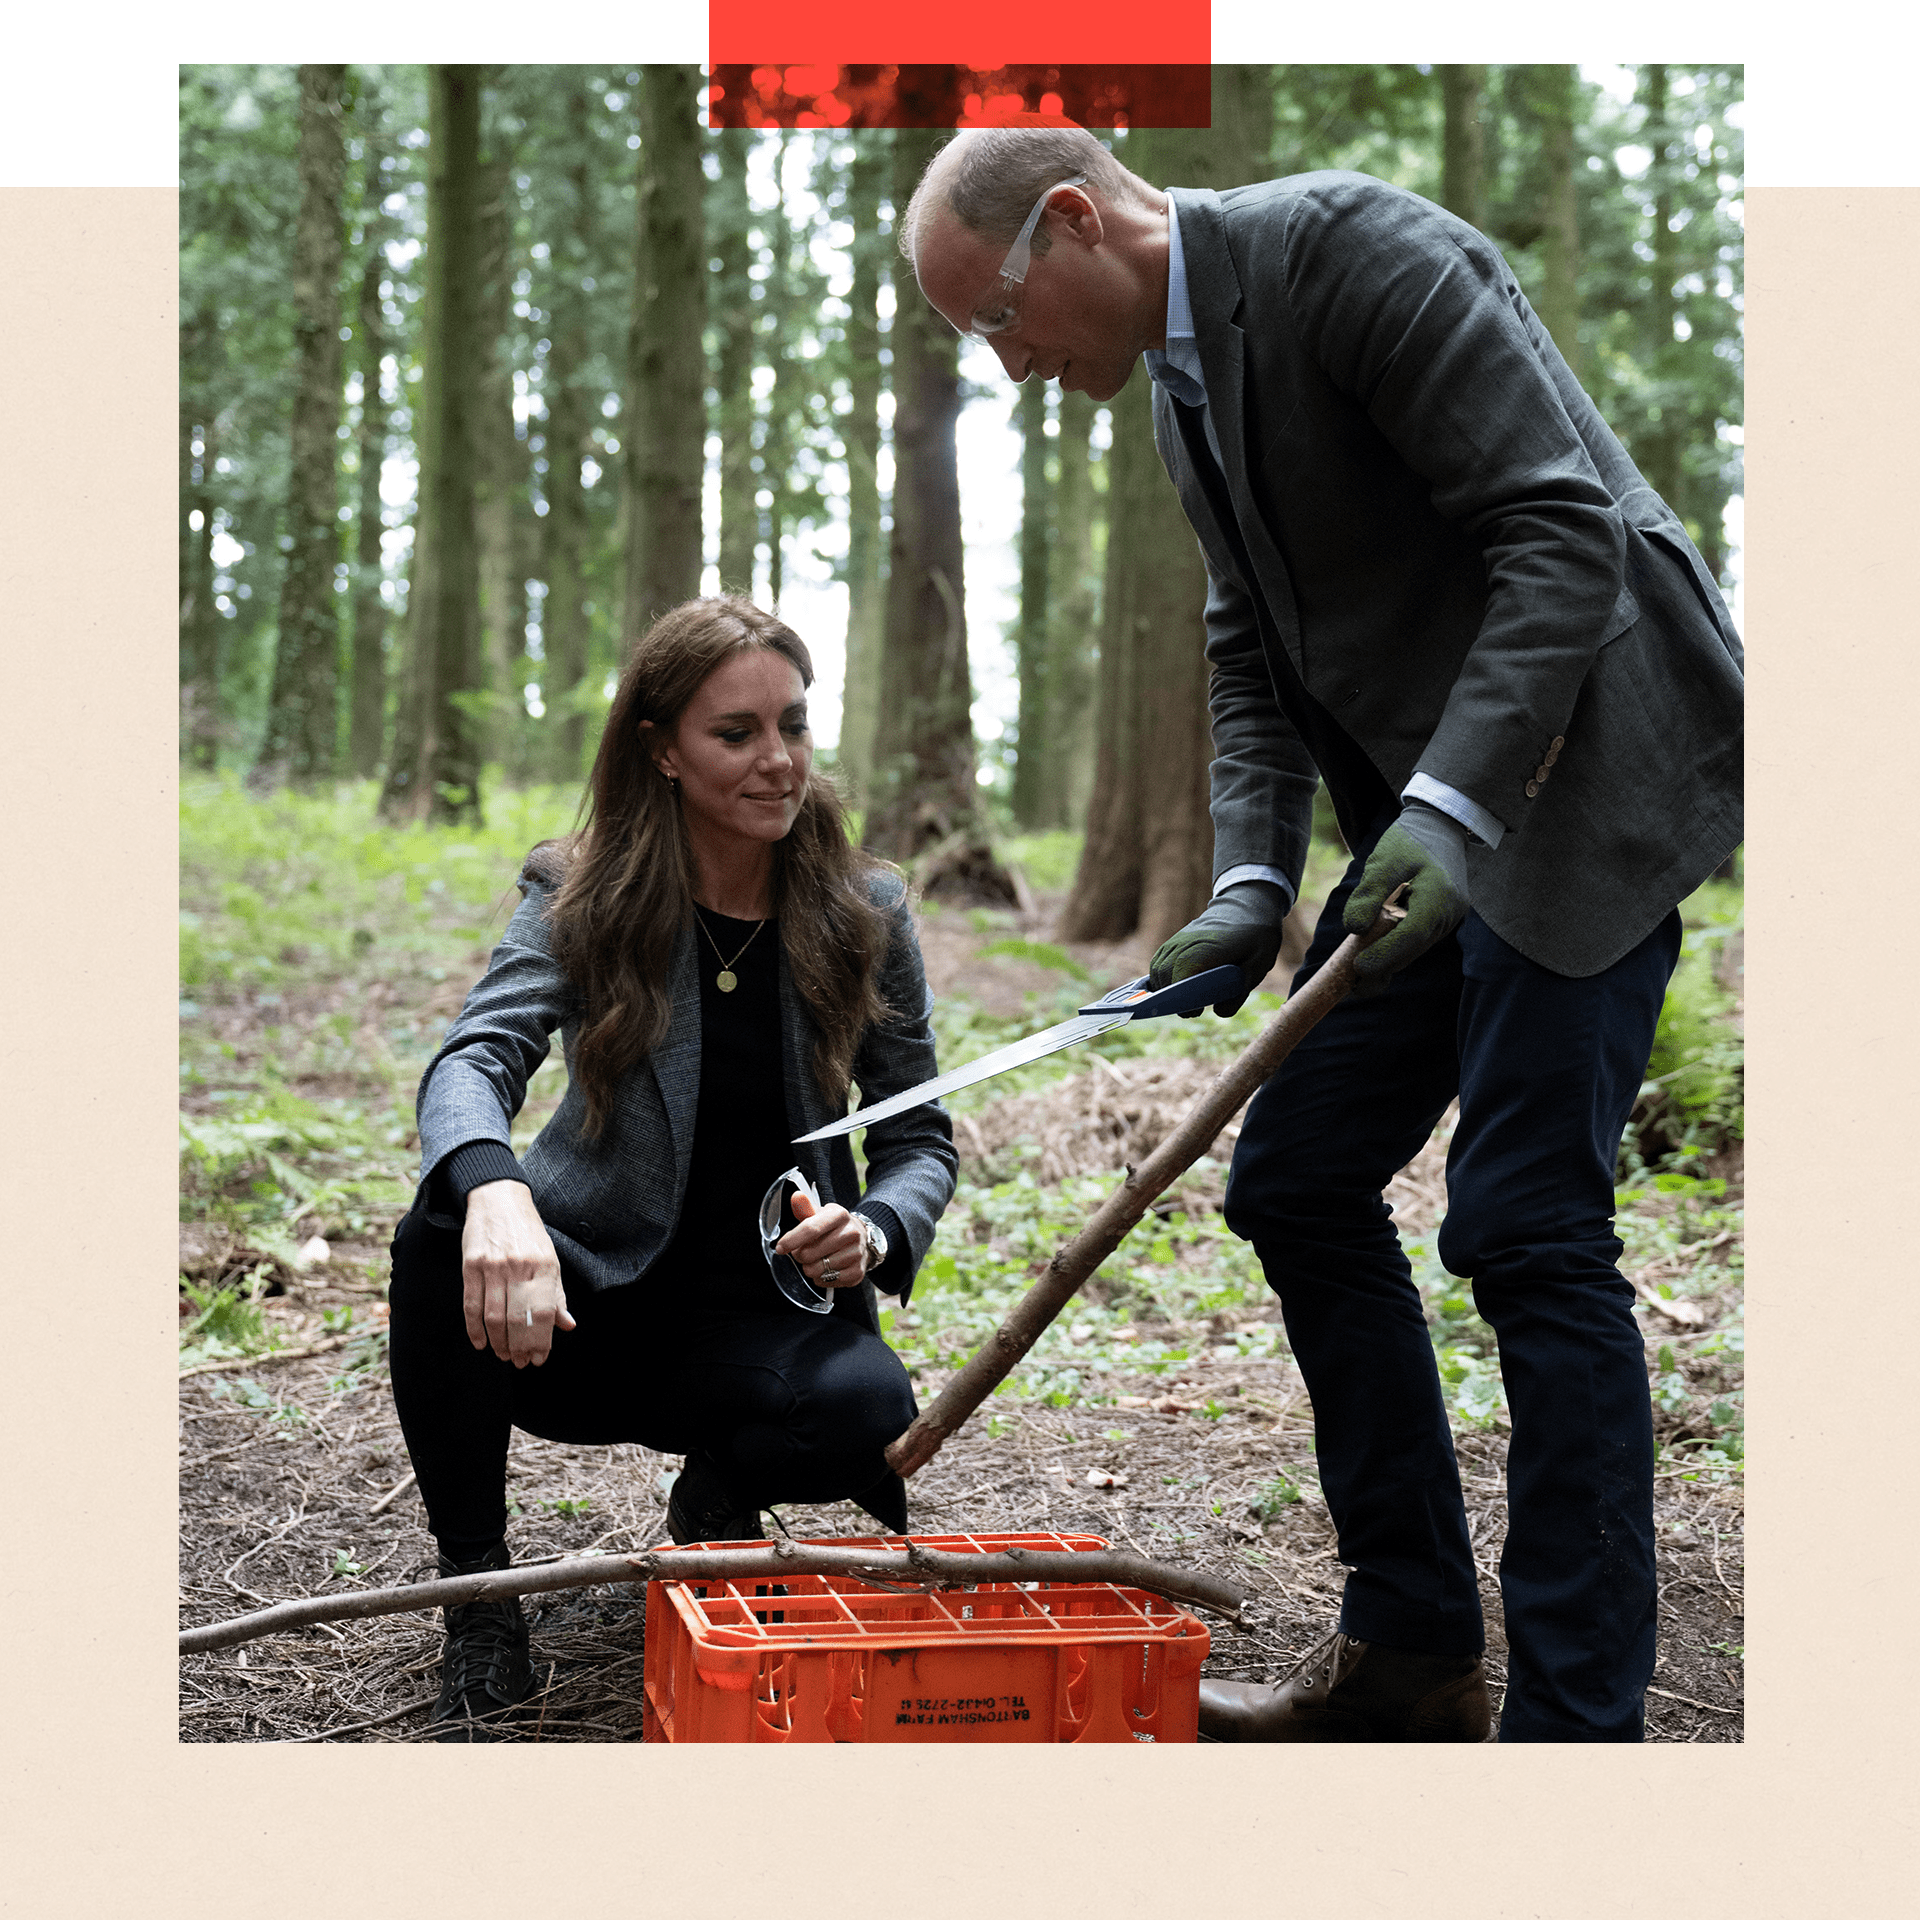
{"x":828,"y":1244}
{"x":510,"y":1275}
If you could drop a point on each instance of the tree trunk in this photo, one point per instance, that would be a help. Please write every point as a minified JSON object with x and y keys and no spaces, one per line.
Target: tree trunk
{"x":438,"y":774}
{"x":1038,"y":708}
{"x":1105,"y":901}
{"x":367,"y":703}
{"x":866,"y":609}
{"x":733,"y":366}
{"x":199,"y":618}
{"x":1066,"y":777}
{"x":666,"y":358}
{"x":1243,"y":123}
{"x":1552,"y":90}
{"x":503,"y":593}
{"x":301,"y":722}
{"x":777,"y":438}
{"x":1463,"y":171}
{"x":1660,"y":449}
{"x":1147,"y":861}
{"x":925,"y":805}
{"x":563,"y":620}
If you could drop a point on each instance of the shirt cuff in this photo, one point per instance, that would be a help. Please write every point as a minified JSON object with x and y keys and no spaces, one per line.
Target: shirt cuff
{"x":1234,"y":875}
{"x":473,"y":1165}
{"x":891,"y":1275}
{"x":1456,"y":806}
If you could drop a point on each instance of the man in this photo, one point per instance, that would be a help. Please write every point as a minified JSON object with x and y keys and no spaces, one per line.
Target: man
{"x":1437,"y":582}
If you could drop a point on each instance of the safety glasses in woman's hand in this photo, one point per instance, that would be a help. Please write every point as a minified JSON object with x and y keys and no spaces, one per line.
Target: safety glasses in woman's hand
{"x":778,"y":1218}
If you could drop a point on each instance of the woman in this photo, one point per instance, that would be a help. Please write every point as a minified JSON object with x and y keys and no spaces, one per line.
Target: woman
{"x":721,"y":964}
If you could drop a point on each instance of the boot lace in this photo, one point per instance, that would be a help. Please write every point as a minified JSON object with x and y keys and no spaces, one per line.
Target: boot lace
{"x":1319,"y":1667}
{"x":482,"y":1639}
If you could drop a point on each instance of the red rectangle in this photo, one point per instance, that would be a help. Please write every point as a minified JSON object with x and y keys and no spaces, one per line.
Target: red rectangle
{"x":831,"y":94}
{"x":985,"y":34}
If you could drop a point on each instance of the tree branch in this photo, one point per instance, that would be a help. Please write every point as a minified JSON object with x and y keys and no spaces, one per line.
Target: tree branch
{"x":921,"y":1567}
{"x":1075,"y":1263}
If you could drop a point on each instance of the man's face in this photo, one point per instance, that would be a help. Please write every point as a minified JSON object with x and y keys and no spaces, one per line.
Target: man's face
{"x":1075,"y":321}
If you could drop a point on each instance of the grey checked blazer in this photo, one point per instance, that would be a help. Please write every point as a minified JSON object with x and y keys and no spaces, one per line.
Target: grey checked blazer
{"x":1428,"y":547}
{"x":612,"y":1204}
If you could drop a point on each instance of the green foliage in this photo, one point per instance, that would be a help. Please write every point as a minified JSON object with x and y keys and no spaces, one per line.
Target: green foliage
{"x":1662,"y":251}
{"x":1693,"y":1100}
{"x":1039,"y":953}
{"x":1049,"y":860}
{"x":283,"y":891}
{"x":1271,"y":1499}
{"x":272,"y":886}
{"x":227,"y":1321}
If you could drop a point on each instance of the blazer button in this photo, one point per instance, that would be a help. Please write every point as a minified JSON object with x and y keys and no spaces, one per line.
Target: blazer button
{"x":1559,"y":741}
{"x":1533,"y":787}
{"x":1540,"y":774}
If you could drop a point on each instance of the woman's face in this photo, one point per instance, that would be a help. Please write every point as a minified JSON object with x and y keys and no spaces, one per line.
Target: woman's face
{"x":742,"y":749}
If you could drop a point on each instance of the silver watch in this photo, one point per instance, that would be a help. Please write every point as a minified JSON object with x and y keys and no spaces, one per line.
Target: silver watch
{"x":876,"y":1242}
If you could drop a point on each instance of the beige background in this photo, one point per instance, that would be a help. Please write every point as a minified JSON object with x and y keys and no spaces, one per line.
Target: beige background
{"x":104,"y":1813}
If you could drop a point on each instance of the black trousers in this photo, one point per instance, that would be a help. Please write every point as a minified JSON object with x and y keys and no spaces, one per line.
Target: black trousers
{"x":1546,"y":1069}
{"x":790,"y":1405}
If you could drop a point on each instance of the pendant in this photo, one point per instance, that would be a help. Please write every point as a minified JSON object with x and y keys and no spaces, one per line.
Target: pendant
{"x":725,"y":980}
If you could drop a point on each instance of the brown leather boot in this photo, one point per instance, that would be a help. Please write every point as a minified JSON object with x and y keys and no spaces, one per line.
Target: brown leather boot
{"x":1347,"y":1690}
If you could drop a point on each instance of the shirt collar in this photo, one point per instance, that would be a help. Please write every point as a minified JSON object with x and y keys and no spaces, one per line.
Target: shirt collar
{"x":1178,"y":368}
{"x":1179,"y":307}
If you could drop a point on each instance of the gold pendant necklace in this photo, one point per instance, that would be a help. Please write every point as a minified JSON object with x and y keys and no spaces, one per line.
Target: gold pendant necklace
{"x":726,"y":979}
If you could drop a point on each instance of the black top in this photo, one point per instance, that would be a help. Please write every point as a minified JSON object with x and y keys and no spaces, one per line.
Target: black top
{"x":742,"y":1140}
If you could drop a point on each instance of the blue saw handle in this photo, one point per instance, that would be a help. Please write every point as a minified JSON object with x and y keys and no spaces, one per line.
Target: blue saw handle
{"x":1184,"y":996}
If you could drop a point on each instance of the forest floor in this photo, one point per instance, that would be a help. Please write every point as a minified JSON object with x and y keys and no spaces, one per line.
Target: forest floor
{"x":1170,"y":1374}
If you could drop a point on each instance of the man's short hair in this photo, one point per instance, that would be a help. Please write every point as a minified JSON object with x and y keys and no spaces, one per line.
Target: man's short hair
{"x":992,"y":178}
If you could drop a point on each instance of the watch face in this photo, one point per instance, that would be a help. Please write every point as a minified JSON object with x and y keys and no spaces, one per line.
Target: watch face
{"x":778,"y":1218}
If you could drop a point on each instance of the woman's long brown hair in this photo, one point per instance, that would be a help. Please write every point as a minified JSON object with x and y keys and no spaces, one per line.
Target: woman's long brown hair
{"x":625,"y":876}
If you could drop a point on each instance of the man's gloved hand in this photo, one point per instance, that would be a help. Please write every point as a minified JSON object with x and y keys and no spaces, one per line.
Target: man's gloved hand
{"x":1241,"y":927}
{"x":1427,"y":849}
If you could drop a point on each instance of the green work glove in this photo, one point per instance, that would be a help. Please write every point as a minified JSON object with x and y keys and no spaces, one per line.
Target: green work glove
{"x":1241,"y":927}
{"x":1428,"y":850}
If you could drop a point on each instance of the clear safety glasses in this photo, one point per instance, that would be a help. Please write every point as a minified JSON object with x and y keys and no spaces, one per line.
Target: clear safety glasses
{"x":777,"y":1217}
{"x":999,"y":306}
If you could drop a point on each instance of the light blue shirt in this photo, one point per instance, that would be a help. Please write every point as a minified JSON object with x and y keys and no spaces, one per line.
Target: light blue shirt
{"x":1178,"y":370}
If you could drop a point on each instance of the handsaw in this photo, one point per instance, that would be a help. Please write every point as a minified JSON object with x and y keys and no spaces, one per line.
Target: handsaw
{"x":1133,"y":1001}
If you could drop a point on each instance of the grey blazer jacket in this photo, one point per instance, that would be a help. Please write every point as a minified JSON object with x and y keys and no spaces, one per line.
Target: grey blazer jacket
{"x":612,"y":1204}
{"x":1430,"y":554}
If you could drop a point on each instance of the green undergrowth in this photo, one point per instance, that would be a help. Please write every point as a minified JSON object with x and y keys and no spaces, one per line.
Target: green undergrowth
{"x":1182,"y":1291}
{"x":277,"y":887}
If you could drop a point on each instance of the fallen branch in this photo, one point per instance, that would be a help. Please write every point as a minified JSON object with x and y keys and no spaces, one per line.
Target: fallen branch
{"x":272,"y":1355}
{"x":926,"y":1568}
{"x":1075,"y":1263}
{"x":1685,"y":1701}
{"x":392,"y":1494}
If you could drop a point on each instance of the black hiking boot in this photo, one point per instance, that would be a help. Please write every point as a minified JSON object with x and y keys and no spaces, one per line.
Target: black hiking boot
{"x":701,"y":1508}
{"x":486,"y":1669}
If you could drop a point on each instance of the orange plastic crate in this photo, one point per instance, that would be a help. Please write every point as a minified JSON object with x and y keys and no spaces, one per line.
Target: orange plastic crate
{"x":827,"y":1657}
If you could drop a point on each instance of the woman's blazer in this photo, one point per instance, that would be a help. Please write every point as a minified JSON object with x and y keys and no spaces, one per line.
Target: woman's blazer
{"x":612,"y":1204}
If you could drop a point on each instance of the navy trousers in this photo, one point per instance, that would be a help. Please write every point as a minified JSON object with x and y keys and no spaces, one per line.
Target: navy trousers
{"x":1546,"y":1069}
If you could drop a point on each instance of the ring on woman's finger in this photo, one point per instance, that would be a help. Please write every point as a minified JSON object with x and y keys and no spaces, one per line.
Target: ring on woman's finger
{"x":829,"y":1272}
